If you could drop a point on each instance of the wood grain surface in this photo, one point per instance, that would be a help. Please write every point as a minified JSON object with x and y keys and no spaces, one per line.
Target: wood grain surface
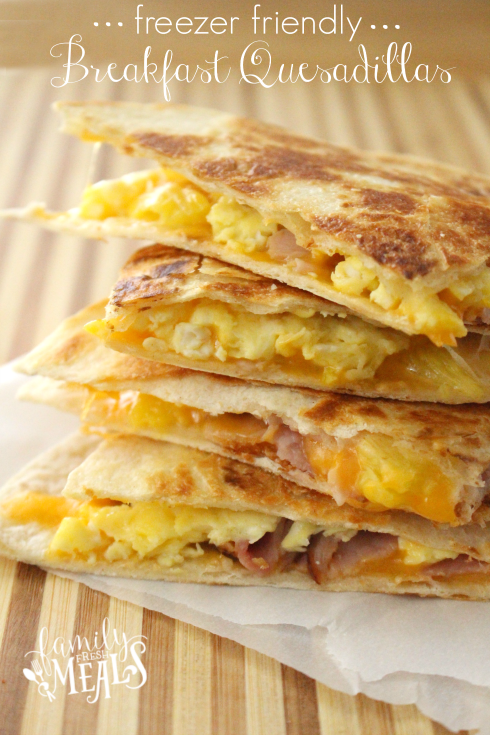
{"x":198,"y":683}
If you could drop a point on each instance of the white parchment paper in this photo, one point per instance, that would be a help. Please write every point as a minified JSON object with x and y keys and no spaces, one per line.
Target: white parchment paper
{"x":434,"y":653}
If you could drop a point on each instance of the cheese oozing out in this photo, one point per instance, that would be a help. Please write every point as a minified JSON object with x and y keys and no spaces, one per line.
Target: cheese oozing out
{"x":103,"y":530}
{"x":167,"y":198}
{"x":370,"y":471}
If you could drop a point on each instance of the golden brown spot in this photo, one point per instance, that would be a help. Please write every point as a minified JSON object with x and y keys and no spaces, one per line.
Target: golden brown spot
{"x":178,"y":266}
{"x":152,"y":252}
{"x":238,"y":475}
{"x":217,"y":168}
{"x":72,"y":348}
{"x":173,"y":146}
{"x":250,"y":187}
{"x":274,"y":162}
{"x":371,"y":410}
{"x":328,"y":409}
{"x":400,"y":248}
{"x":184,"y":485}
{"x":388,"y":201}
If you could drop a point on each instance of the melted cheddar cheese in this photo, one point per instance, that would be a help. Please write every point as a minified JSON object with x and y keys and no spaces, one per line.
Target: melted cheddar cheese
{"x":111,"y":531}
{"x":370,"y":471}
{"x":167,"y":198}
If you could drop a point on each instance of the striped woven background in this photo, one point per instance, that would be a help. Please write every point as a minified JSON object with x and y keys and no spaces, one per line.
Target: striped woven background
{"x":197,"y":683}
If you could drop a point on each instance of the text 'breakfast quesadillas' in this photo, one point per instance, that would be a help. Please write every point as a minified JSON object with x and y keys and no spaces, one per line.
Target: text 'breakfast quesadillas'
{"x":371,"y":454}
{"x":398,"y":240}
{"x":188,"y":310}
{"x":138,"y":508}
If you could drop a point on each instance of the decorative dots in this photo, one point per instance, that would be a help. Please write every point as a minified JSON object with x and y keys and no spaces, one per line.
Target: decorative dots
{"x":397,"y":28}
{"x":108,"y":23}
{"x":385,"y":27}
{"x":373,"y":27}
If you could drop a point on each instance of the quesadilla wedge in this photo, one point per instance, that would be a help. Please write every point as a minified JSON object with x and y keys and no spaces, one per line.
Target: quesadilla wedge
{"x":194,"y":312}
{"x":133,"y":507}
{"x":398,"y":240}
{"x":375,"y":455}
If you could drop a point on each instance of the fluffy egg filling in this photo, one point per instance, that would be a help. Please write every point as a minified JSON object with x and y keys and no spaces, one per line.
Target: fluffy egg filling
{"x":339,"y":351}
{"x":370,"y":471}
{"x":167,"y":198}
{"x":336,"y":352}
{"x":169,"y":535}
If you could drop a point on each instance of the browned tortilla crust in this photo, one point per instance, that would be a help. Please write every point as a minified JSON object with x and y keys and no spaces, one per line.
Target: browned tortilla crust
{"x":418,"y":218}
{"x":180,"y":475}
{"x":162,"y":273}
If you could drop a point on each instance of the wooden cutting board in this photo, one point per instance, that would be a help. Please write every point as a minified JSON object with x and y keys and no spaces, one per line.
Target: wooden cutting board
{"x":197,"y":683}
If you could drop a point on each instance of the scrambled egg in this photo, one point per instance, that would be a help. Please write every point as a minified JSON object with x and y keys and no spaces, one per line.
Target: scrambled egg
{"x":399,"y":477}
{"x":340,"y":350}
{"x":424,"y":310}
{"x":105,"y":529}
{"x":168,"y":198}
{"x":160,"y":195}
{"x":239,"y":227}
{"x":166,"y":533}
{"x":298,"y":536}
{"x":415,"y":554}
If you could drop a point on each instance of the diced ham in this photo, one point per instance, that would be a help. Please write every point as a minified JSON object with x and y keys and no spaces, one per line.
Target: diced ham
{"x":232,"y":429}
{"x":485,"y":316}
{"x":266,"y":555}
{"x":364,"y":546}
{"x":282,"y":246}
{"x":330,"y":558}
{"x":301,"y":562}
{"x":274,"y":423}
{"x":289,"y":447}
{"x":304,"y":266}
{"x":484,"y":345}
{"x":461,"y":565}
{"x":320,"y":552}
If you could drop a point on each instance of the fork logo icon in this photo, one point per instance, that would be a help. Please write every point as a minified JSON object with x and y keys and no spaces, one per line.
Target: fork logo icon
{"x":42,"y":686}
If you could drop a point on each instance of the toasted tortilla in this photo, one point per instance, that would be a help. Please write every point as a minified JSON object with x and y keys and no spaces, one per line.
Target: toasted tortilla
{"x":413,"y":222}
{"x":131,"y":469}
{"x":396,"y":366}
{"x":74,"y":368}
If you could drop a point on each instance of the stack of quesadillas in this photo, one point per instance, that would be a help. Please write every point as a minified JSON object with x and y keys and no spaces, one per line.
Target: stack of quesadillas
{"x":288,"y":388}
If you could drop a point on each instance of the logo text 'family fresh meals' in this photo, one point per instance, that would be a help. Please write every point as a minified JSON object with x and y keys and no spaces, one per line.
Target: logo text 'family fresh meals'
{"x":88,"y":667}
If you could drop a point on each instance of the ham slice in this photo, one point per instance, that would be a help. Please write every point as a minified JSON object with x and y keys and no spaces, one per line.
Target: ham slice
{"x":282,"y":246}
{"x":289,"y":447}
{"x":461,"y":565}
{"x":320,"y":552}
{"x":485,"y":314}
{"x":244,"y":429}
{"x":232,"y":429}
{"x":266,"y":555}
{"x":364,"y":546}
{"x":330,"y":558}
